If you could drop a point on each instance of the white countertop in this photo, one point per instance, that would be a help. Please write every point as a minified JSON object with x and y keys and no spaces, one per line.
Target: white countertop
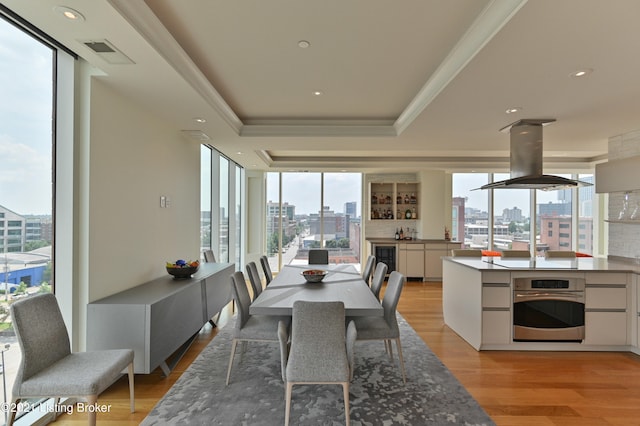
{"x":387,"y":241}
{"x":580,"y":264}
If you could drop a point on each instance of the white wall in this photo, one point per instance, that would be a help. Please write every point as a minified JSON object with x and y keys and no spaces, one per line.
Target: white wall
{"x":131,"y":158}
{"x":255,"y":202}
{"x":435,"y":188}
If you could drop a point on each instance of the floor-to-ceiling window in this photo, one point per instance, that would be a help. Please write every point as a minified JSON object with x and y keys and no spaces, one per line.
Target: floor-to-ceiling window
{"x":587,"y":208}
{"x":511,"y":209}
{"x":36,"y":89}
{"x":222,"y":192}
{"x":501,"y":219}
{"x":342,"y":194}
{"x":274,"y":218}
{"x":205,"y":199}
{"x":555,"y":219}
{"x":223,"y":208}
{"x":238,"y":177}
{"x":470,"y":210}
{"x":301,"y":224}
{"x":313,"y":210}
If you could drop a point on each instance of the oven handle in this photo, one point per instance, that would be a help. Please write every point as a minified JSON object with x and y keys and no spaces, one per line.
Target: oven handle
{"x":555,"y":295}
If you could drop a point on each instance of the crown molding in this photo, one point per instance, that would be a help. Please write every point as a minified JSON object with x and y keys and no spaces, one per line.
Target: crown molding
{"x":486,"y":25}
{"x":138,"y":14}
{"x":319,"y":129}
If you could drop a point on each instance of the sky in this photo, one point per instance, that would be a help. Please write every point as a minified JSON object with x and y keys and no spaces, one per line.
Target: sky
{"x":25,"y":122}
{"x":303,"y":190}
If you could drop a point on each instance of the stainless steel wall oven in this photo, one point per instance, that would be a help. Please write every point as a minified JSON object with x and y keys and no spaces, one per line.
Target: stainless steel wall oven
{"x":548,"y":309}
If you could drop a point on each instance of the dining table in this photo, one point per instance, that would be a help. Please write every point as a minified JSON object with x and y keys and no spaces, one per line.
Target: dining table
{"x":342,"y":282}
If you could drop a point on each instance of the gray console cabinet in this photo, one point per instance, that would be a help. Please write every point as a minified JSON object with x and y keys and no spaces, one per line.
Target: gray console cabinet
{"x":159,"y":318}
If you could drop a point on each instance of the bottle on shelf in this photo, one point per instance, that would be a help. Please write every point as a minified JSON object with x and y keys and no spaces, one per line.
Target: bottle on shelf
{"x":401,"y":234}
{"x":397,"y":234}
{"x":414,"y":215}
{"x":374,"y":198}
{"x":406,"y":198}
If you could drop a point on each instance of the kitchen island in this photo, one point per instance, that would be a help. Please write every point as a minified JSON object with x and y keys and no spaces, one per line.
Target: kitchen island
{"x":478,"y":301}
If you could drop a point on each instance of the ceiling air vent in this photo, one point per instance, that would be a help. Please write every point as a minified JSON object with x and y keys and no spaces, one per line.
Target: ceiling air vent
{"x":196,"y":134}
{"x":107,"y":51}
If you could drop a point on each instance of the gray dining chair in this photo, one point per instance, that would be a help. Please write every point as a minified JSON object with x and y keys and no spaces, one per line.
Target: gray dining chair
{"x":520,"y":254}
{"x":368,"y":268}
{"x":386,"y":327}
{"x":254,"y":279}
{"x":209,"y":257}
{"x":48,"y":368}
{"x":378,"y":278}
{"x":255,"y":328}
{"x":320,"y":352}
{"x":466,"y":253}
{"x":560,"y":254}
{"x":266,"y":268}
{"x":318,"y":257}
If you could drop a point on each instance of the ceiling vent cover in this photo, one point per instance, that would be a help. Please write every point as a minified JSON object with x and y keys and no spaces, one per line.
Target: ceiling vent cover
{"x":107,"y":51}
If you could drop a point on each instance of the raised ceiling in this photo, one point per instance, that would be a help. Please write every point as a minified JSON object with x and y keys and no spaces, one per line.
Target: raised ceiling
{"x":412,"y":84}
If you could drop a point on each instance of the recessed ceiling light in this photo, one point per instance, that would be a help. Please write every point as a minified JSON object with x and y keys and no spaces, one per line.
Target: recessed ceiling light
{"x":239,"y":152}
{"x":70,"y":14}
{"x":581,"y":73}
{"x":200,"y":120}
{"x":513,"y":109}
{"x":303,"y":44}
{"x":317,"y":93}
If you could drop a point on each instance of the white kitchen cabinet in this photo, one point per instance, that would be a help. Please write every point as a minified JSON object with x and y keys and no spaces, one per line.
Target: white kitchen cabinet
{"x":433,"y":254}
{"x":496,"y":311}
{"x":605,"y":328}
{"x":496,"y":328}
{"x":411,"y":260}
{"x":607,"y":320}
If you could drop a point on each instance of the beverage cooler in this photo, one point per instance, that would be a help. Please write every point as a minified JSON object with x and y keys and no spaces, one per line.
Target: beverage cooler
{"x":386,"y":255}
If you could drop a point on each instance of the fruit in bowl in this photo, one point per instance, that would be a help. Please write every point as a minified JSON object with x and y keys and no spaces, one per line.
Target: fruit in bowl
{"x":182,"y":269}
{"x":314,"y":275}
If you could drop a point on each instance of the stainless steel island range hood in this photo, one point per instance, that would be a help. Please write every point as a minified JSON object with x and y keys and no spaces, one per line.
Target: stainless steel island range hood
{"x":526,"y":159}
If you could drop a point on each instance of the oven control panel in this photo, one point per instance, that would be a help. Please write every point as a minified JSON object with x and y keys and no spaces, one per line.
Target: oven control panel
{"x":550,"y":283}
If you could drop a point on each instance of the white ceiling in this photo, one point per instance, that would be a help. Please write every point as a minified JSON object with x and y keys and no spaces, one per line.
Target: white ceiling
{"x":407,"y":84}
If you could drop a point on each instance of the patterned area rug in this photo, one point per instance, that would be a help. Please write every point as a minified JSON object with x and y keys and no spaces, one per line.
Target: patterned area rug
{"x":255,"y":395}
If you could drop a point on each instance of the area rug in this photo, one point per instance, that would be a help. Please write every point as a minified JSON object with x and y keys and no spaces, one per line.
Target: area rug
{"x":255,"y":395}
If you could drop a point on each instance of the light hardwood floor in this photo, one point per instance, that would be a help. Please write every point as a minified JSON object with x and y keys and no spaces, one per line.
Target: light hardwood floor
{"x":515,"y":388}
